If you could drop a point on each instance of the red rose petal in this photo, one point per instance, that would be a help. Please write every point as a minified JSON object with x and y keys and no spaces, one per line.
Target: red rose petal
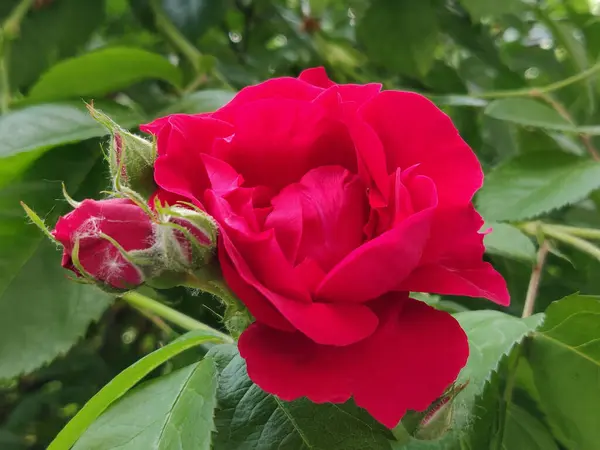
{"x":358,"y":93}
{"x":275,"y":88}
{"x":414,"y":131}
{"x":452,"y":263}
{"x":261,"y":265}
{"x":379,"y":265}
{"x":277,"y":141}
{"x":317,"y":76}
{"x":407,"y":363}
{"x":321,"y":217}
{"x":183,"y":166}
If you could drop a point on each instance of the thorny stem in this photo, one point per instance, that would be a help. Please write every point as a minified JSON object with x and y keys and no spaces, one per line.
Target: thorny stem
{"x":534,"y":280}
{"x":147,"y":304}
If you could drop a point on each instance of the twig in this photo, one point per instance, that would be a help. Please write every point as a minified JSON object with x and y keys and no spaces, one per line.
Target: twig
{"x":534,"y":280}
{"x":559,"y":108}
{"x":567,"y":235}
{"x":540,"y":89}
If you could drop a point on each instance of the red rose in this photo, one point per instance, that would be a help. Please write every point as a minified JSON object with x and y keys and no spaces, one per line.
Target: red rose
{"x":334,"y":201}
{"x":120,"y":219}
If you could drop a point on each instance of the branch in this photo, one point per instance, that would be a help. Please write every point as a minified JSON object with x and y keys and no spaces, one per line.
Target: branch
{"x":534,"y":280}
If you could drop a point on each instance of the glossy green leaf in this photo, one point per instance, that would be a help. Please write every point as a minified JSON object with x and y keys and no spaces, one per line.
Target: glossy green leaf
{"x":171,"y":412}
{"x":202,"y":101}
{"x":528,"y":112}
{"x":525,"y":432}
{"x":492,"y":335}
{"x":50,"y":33}
{"x":248,"y":417}
{"x":565,"y":358}
{"x":42,"y":312}
{"x":48,"y":125}
{"x":102,"y":72}
{"x":535,"y":183}
{"x":506,"y":240}
{"x":401,"y":35}
{"x":123,"y":383}
{"x":534,"y":113}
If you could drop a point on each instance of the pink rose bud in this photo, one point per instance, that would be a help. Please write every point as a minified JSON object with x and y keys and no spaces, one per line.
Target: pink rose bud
{"x":119,"y":245}
{"x":83,"y":233}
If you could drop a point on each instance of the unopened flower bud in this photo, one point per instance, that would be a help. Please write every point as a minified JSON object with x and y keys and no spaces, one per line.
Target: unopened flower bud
{"x":197,"y":229}
{"x":117,"y":244}
{"x":87,"y":251}
{"x":131,"y":158}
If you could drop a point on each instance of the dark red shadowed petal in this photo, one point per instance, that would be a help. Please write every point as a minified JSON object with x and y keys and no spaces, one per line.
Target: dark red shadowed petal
{"x":452,"y":263}
{"x":379,"y":265}
{"x":414,"y":131}
{"x":321,"y":217}
{"x":407,"y":363}
{"x":259,"y":262}
{"x":277,"y":141}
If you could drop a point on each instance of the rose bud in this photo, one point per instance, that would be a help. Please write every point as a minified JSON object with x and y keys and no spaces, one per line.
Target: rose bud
{"x":120,"y":245}
{"x":131,"y":158}
{"x":88,"y":253}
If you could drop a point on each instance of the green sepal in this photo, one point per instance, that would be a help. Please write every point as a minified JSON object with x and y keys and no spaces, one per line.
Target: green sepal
{"x":131,"y":158}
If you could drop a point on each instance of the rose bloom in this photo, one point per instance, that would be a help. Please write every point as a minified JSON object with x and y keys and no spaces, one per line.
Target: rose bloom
{"x":333,"y":202}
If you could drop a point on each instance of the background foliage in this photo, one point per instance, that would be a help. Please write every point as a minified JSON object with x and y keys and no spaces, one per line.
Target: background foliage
{"x":519,"y":79}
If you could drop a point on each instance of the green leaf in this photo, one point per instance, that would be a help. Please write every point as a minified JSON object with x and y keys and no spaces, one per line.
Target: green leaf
{"x":54,"y":32}
{"x":529,"y":112}
{"x":123,"y":383}
{"x":45,"y":126}
{"x":490,"y":8}
{"x":102,"y":72}
{"x":248,"y":417}
{"x":171,"y":412}
{"x":42,"y":313}
{"x":534,"y":183}
{"x":401,"y":35}
{"x":202,"y":101}
{"x":565,"y":359}
{"x":506,"y":240}
{"x":533,"y":113}
{"x":492,"y":335}
{"x":524,"y":432}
